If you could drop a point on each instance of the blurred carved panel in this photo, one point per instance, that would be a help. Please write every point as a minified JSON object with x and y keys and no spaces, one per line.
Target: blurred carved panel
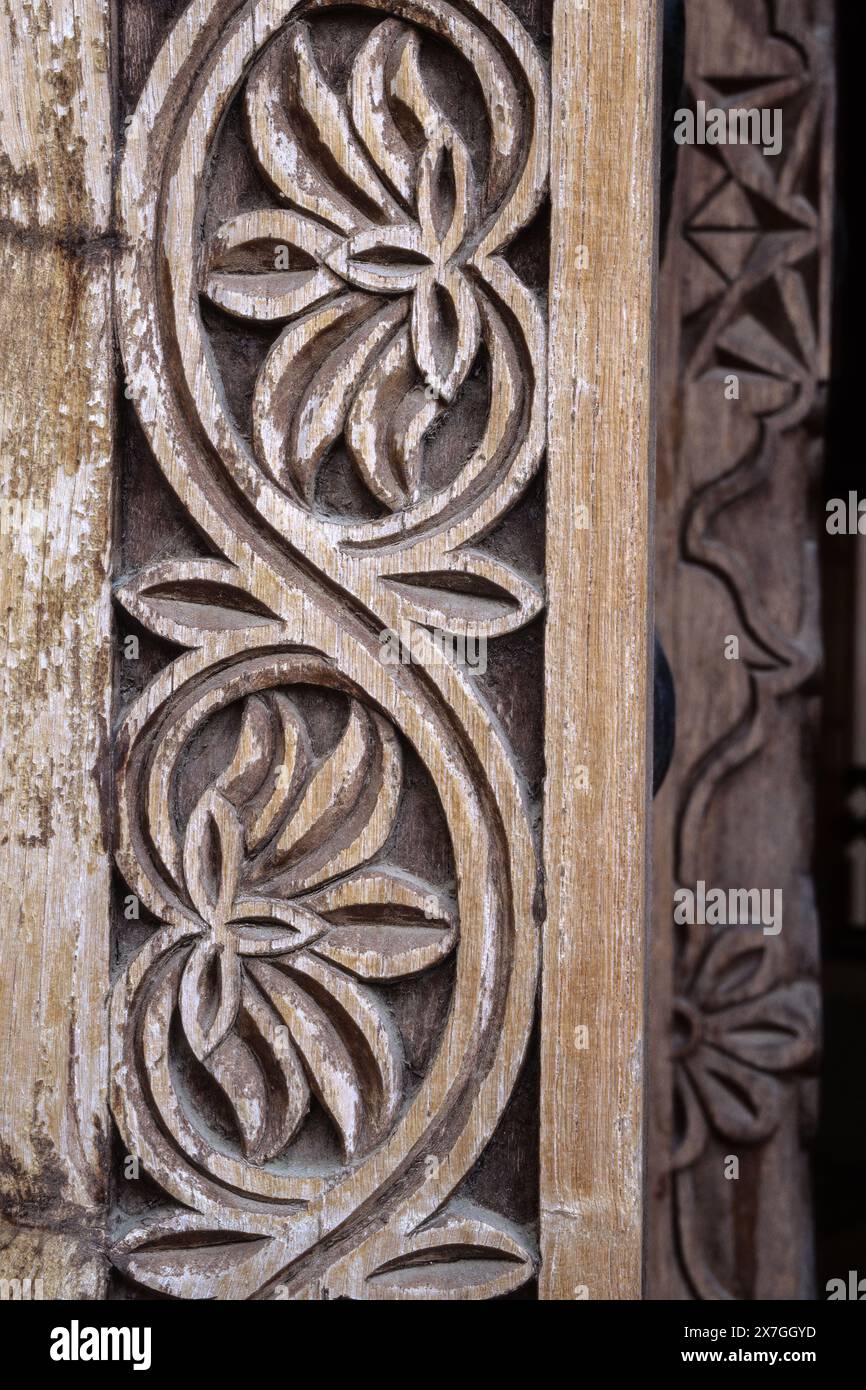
{"x":743,"y":361}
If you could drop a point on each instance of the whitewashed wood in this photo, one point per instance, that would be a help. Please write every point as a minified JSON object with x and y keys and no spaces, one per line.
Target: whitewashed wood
{"x":55,"y":518}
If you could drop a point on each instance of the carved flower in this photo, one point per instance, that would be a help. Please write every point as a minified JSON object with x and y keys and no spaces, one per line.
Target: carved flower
{"x":273,"y":997}
{"x":738,"y":1030}
{"x":369,"y":271}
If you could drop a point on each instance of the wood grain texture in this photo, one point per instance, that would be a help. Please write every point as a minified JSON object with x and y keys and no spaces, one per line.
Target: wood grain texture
{"x":744,"y":299}
{"x":603,"y":192}
{"x":55,"y":437}
{"x":330,"y":290}
{"x":284,"y":793}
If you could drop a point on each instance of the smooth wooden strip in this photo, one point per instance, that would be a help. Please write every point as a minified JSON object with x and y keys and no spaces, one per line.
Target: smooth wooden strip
{"x":55,"y":513}
{"x":603,"y":162}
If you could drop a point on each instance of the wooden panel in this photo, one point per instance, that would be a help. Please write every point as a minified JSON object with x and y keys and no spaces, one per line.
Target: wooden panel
{"x":336,"y":853}
{"x":743,"y":360}
{"x":600,"y":450}
{"x":333,"y":280}
{"x":55,"y":438}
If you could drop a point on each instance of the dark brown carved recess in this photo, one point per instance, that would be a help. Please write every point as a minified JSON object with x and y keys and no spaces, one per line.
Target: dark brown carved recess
{"x":734,"y":1012}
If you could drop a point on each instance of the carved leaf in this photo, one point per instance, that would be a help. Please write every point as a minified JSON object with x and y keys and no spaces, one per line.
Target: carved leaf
{"x":480,"y":597}
{"x":185,"y":1255}
{"x":185,"y":600}
{"x":464,"y":1256}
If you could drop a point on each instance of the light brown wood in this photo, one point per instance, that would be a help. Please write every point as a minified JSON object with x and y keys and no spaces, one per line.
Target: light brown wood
{"x":603,"y":191}
{"x":329,"y":288}
{"x":55,"y":519}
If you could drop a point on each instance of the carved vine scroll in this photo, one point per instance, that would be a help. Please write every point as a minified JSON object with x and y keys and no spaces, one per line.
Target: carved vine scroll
{"x":273,"y":869}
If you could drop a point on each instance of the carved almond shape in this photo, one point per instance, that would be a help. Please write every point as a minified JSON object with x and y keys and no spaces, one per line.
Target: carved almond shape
{"x":185,"y":600}
{"x":479,"y":597}
{"x":466,"y":1255}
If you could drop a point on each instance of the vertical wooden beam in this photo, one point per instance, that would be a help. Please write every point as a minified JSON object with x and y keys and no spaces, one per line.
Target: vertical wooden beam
{"x":603,"y":186}
{"x":55,"y":445}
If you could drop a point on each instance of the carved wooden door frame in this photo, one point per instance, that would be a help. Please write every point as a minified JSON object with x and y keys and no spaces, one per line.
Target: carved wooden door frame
{"x":276,"y":854}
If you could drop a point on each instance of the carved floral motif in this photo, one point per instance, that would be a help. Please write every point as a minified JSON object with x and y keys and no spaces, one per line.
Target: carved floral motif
{"x":738,"y":1030}
{"x":284,"y":917}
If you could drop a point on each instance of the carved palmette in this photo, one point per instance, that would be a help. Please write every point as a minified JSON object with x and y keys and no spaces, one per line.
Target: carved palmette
{"x":275,"y":871}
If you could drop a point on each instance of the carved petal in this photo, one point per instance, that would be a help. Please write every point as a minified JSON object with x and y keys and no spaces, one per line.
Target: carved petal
{"x":253,"y":755}
{"x":775,"y":1032}
{"x":236,"y":1071}
{"x":297,"y":356}
{"x":384,"y":260}
{"x":468,"y":1254}
{"x":261,"y":1075}
{"x":245,"y":276}
{"x":446,"y":331}
{"x":737,"y":966}
{"x":480,"y":597}
{"x":322,"y":411}
{"x":213,"y":845}
{"x":209,"y":970}
{"x":387,"y":422}
{"x":272,"y":926}
{"x":500,"y":96}
{"x":287,"y":1086}
{"x":280,"y":147}
{"x":291,"y":768}
{"x":742,"y":1103}
{"x":692,"y":1122}
{"x":366,"y":1025}
{"x":371,"y":112}
{"x":186,"y":600}
{"x":446,"y":220}
{"x":348,"y":808}
{"x":385,"y":925}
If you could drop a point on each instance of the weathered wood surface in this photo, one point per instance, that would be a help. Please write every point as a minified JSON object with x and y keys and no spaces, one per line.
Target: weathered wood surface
{"x":603,"y":193}
{"x":376,"y":396}
{"x":744,"y":298}
{"x":55,"y":517}
{"x":330,"y":285}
